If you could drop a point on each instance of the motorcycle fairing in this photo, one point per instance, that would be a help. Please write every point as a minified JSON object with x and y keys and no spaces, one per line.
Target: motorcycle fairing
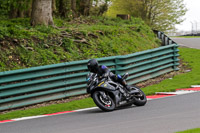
{"x":107,"y":86}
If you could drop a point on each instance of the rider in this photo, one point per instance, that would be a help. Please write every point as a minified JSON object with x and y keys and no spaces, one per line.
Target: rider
{"x":103,"y":71}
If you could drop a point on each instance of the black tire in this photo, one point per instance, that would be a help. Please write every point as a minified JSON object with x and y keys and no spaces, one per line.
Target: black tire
{"x":98,"y":101}
{"x":140,"y":101}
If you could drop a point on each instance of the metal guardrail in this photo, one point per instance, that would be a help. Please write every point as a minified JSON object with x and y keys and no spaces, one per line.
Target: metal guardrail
{"x":164,"y":38}
{"x":25,"y":87}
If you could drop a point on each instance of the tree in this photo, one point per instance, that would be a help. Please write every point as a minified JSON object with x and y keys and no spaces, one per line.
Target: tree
{"x":15,"y":8}
{"x":42,"y":12}
{"x":159,"y":14}
{"x":84,"y":7}
{"x":99,"y":7}
{"x":73,"y":8}
{"x":64,"y":7}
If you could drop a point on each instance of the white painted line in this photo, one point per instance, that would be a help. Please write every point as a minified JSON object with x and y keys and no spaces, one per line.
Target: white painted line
{"x":27,"y":118}
{"x":180,"y":92}
{"x":194,"y":86}
{"x":148,"y":99}
{"x":86,"y":109}
{"x":165,"y":93}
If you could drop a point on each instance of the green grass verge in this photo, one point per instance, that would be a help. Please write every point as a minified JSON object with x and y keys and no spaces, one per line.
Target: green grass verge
{"x":196,"y":130}
{"x":191,"y":56}
{"x":180,"y":81}
{"x":186,"y":36}
{"x":79,"y":104}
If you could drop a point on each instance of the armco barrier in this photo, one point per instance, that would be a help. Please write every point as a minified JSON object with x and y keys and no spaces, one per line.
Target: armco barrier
{"x":24,"y":87}
{"x":164,"y":38}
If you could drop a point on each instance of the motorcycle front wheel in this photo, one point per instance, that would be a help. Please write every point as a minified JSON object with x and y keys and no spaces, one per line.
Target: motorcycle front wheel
{"x":103,"y":101}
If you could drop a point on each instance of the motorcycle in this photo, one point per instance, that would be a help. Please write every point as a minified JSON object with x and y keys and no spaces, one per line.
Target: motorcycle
{"x":109,"y":95}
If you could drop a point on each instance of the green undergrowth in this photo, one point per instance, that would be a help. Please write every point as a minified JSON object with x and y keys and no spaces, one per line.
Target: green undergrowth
{"x":196,"y":130}
{"x":24,"y":46}
{"x":189,"y":56}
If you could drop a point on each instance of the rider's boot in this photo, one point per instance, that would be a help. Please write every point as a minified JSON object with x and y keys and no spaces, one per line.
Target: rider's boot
{"x":126,"y":85}
{"x":128,"y":95}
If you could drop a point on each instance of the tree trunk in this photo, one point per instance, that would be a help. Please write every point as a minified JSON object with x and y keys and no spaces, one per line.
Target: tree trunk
{"x":54,"y":5}
{"x":64,"y":8}
{"x":84,"y":8}
{"x":87,"y":8}
{"x":13,"y":11}
{"x":42,"y":12}
{"x":73,"y":7}
{"x":61,"y":8}
{"x":21,"y":13}
{"x":28,"y":12}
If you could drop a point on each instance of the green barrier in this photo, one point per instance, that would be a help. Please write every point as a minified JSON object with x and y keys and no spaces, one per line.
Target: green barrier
{"x":34,"y":85}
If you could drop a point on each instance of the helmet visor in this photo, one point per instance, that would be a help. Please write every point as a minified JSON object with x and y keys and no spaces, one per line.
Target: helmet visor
{"x":93,"y":68}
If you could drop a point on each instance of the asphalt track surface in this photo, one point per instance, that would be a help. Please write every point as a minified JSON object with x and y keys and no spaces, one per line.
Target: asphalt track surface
{"x":188,"y":42}
{"x":165,"y":115}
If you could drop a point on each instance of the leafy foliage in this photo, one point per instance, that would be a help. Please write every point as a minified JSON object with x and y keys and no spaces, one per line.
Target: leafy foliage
{"x":159,"y":14}
{"x":15,"y":8}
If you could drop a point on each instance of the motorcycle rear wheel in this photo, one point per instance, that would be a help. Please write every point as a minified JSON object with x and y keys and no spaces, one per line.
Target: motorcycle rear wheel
{"x":140,"y":101}
{"x":105,"y":105}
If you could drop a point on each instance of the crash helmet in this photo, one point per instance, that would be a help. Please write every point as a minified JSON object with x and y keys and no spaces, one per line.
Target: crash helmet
{"x":93,"y":65}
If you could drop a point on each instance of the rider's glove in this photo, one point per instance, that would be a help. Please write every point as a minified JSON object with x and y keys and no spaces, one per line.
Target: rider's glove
{"x":105,"y":75}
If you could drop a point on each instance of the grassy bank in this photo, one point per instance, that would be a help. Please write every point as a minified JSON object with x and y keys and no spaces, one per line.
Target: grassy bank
{"x":189,"y":56}
{"x":23,"y":46}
